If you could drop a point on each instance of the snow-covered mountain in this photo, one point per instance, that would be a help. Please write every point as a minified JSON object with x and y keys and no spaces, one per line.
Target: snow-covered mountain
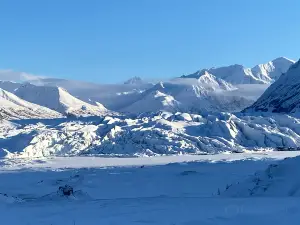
{"x":238,"y":74}
{"x":112,"y":96}
{"x":12,"y":107}
{"x":283,"y":96}
{"x":189,"y":95}
{"x":58,"y":99}
{"x":215,"y":89}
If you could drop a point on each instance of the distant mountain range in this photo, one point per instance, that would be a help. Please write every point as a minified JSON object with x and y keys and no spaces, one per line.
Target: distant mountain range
{"x":260,"y":74}
{"x":227,"y":89}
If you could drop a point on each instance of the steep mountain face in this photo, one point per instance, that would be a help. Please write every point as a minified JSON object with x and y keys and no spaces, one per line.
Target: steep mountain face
{"x":12,"y":107}
{"x":283,"y":96}
{"x":58,"y":99}
{"x":260,"y":74}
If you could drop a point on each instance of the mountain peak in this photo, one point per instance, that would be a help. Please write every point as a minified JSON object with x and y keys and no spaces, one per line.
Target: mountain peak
{"x":282,"y":59}
{"x":134,"y":80}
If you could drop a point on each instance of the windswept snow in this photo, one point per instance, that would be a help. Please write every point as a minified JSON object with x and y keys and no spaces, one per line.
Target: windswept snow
{"x":58,"y":99}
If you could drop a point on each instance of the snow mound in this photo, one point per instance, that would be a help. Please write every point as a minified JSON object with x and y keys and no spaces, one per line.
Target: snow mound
{"x":12,"y":107}
{"x":58,"y":99}
{"x":237,"y":74}
{"x":283,"y":95}
{"x":278,"y":180}
{"x":156,"y":134}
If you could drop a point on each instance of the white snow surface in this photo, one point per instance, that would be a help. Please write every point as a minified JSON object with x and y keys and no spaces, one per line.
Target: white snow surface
{"x":179,"y":190}
{"x":161,"y":133}
{"x":277,"y":180}
{"x":58,"y":99}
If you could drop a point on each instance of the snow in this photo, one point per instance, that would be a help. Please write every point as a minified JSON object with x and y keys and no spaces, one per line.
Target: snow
{"x":152,"y":134}
{"x":159,"y":190}
{"x":277,"y":180}
{"x":176,"y":160}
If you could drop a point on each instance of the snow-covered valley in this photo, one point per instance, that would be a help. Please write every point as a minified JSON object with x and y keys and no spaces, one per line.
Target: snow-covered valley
{"x":173,"y":152}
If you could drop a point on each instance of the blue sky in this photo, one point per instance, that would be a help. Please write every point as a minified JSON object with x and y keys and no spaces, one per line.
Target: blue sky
{"x":108,"y":41}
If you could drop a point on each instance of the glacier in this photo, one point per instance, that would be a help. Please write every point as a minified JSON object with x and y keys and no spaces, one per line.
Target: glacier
{"x":161,"y":133}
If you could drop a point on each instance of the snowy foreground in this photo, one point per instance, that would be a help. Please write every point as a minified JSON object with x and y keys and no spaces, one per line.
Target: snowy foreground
{"x":148,"y":134}
{"x":188,"y":190}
